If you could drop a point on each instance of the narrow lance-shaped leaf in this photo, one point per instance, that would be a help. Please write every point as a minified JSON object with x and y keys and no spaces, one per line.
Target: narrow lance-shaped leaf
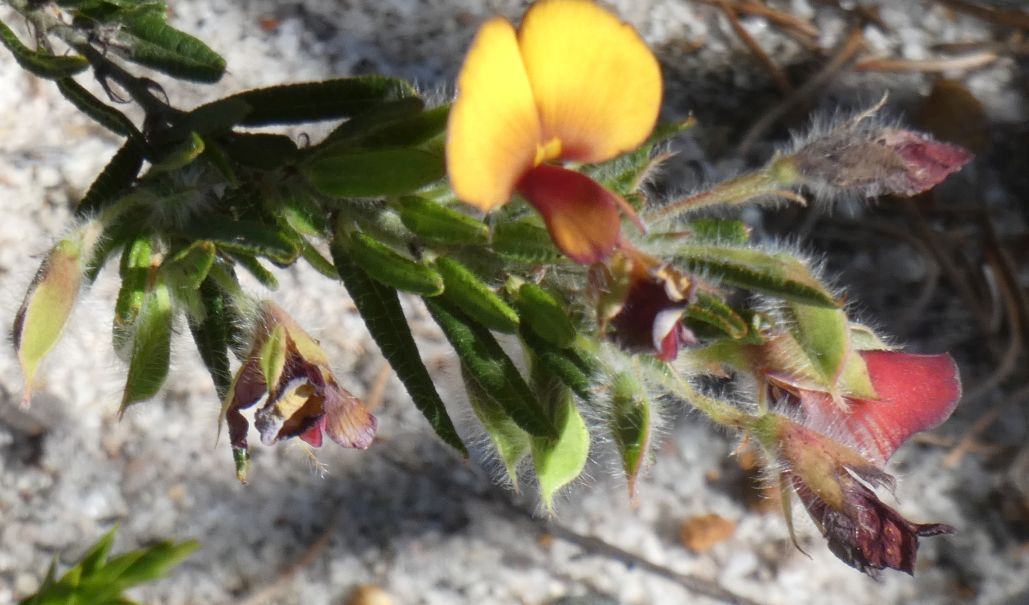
{"x":510,"y":441}
{"x":464,"y":289}
{"x":245,"y":236}
{"x":524,"y":241}
{"x":777,"y":274}
{"x":369,"y":121}
{"x":105,"y":115}
{"x":713,"y":311}
{"x":212,"y":333}
{"x":380,"y":308}
{"x":314,"y":101}
{"x":386,"y":265}
{"x":373,"y":173}
{"x":186,"y":270}
{"x":151,"y":345}
{"x":438,"y":223}
{"x":135,"y":273}
{"x":545,"y":315}
{"x":568,"y":364}
{"x":488,"y":365}
{"x":631,"y":425}
{"x":41,"y":64}
{"x":116,"y":177}
{"x":150,"y":41}
{"x":558,"y":461}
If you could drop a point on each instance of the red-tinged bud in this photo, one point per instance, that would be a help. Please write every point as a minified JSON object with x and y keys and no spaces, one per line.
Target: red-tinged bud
{"x":644,"y":301}
{"x":833,"y":481}
{"x":864,"y":157}
{"x":289,"y":372}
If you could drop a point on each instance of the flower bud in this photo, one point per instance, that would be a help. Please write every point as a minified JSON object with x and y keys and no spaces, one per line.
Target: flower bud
{"x":867,"y":158}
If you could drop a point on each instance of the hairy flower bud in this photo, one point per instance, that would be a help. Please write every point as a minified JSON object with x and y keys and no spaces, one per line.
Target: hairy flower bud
{"x":865,"y":157}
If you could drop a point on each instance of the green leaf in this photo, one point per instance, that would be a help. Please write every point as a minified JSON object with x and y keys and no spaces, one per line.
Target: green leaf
{"x":727,"y":232}
{"x":571,"y":365}
{"x":524,"y":241}
{"x":96,"y":556}
{"x":363,"y":124}
{"x":389,"y":267}
{"x":252,"y":265}
{"x":409,"y":131}
{"x":314,"y":101}
{"x":150,"y":41}
{"x":217,"y":117}
{"x":44,"y":65}
{"x":435,"y":222}
{"x":261,"y":150}
{"x":134,"y":271}
{"x":188,"y":268}
{"x":558,"y":461}
{"x":376,"y":173}
{"x":179,"y":155}
{"x":823,"y":336}
{"x":491,"y":368}
{"x":113,"y":181}
{"x":777,"y":274}
{"x":151,"y":346}
{"x":713,"y":311}
{"x":510,"y":441}
{"x":213,"y":334}
{"x":380,"y":308}
{"x":464,"y":289}
{"x":631,"y":425}
{"x":318,"y":262}
{"x":105,"y":115}
{"x":542,"y":311}
{"x":246,"y":237}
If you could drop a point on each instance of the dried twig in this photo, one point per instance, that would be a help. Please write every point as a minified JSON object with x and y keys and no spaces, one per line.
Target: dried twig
{"x":895,"y":65}
{"x":969,"y":439}
{"x":778,"y":75}
{"x":1011,"y":18}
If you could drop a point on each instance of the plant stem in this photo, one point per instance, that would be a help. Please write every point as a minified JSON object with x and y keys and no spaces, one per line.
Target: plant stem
{"x":719,"y":412}
{"x":772,"y":180}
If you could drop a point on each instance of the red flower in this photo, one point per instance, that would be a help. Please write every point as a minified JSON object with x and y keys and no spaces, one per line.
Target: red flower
{"x":833,"y":476}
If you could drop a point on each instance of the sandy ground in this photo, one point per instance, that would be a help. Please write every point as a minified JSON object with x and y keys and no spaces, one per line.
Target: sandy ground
{"x":406,"y":515}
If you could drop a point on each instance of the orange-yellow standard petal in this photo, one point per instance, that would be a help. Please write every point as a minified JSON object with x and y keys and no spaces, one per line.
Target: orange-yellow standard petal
{"x":597,"y":86}
{"x":494,"y":128}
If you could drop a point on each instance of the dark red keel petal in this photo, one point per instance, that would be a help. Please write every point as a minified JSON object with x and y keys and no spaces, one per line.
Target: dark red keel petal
{"x":582,"y":216}
{"x":916,"y":393}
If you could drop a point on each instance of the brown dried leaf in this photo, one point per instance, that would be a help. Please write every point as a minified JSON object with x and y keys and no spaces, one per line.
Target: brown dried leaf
{"x":702,"y":533}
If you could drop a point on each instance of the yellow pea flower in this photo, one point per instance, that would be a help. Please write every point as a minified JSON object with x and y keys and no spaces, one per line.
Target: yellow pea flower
{"x":573,"y":84}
